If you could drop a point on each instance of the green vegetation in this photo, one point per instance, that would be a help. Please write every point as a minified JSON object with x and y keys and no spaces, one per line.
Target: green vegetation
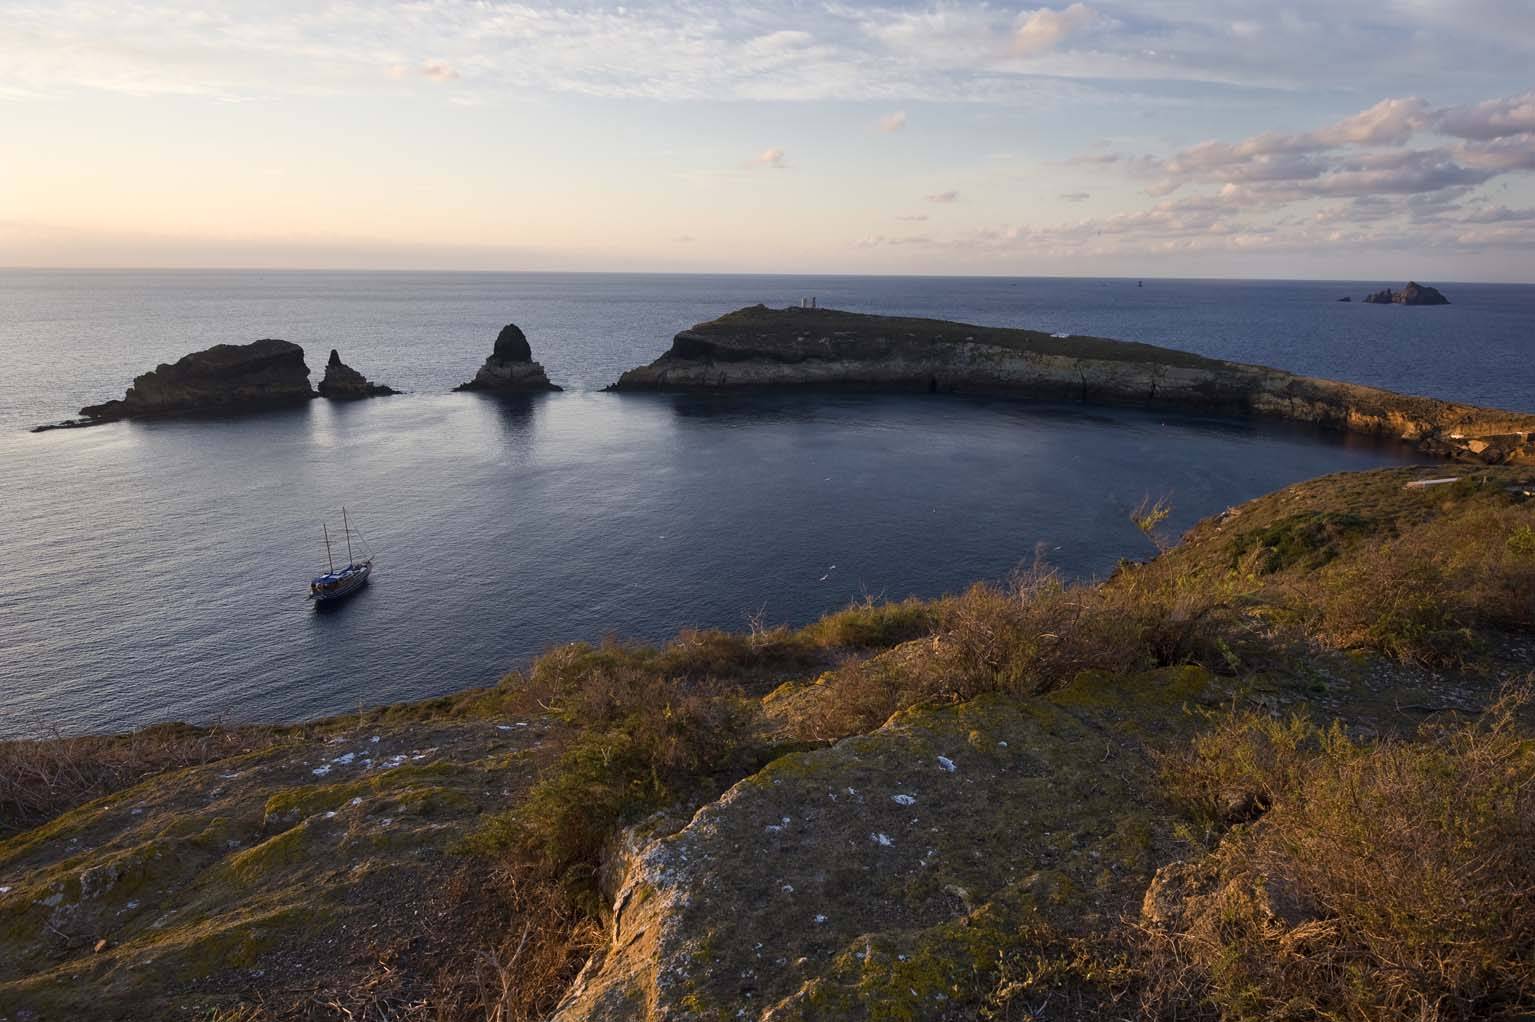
{"x":780,"y":326}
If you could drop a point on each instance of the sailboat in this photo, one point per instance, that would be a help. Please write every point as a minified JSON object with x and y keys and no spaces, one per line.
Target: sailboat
{"x":336,"y":585}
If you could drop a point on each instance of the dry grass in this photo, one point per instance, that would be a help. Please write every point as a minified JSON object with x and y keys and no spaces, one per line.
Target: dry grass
{"x":1030,"y":638}
{"x":1386,"y":881}
{"x":39,"y":779}
{"x":1423,"y":595}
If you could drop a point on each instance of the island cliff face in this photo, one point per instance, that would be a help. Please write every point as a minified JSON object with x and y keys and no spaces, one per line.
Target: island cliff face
{"x":343,"y":383}
{"x":223,"y":378}
{"x":510,"y":369}
{"x":761,"y":347}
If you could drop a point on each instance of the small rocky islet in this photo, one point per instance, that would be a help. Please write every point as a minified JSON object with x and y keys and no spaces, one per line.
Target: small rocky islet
{"x":343,"y":383}
{"x":1413,"y":294}
{"x":510,"y":368}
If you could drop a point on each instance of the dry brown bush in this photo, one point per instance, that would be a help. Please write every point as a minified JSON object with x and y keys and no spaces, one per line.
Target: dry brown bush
{"x":1422,"y":595}
{"x":42,"y":778}
{"x":1389,"y":881}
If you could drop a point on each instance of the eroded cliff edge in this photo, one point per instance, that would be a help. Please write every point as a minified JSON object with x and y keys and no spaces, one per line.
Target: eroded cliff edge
{"x":758,"y":347}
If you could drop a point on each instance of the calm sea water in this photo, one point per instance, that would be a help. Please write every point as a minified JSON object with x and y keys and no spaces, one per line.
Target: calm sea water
{"x":154,"y":571}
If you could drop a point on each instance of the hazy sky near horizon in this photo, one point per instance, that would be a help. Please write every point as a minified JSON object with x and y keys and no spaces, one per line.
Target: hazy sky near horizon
{"x":1384,"y":139}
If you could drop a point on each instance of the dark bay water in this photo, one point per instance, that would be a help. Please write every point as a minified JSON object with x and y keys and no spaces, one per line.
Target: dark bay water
{"x":155,"y":571}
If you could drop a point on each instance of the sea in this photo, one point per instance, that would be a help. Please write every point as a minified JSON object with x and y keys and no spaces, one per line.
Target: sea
{"x":156,"y":571}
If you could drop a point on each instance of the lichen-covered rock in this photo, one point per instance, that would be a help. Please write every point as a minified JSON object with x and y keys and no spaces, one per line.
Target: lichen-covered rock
{"x":760,"y":347}
{"x":281,"y":876}
{"x":344,"y":383}
{"x":510,"y":369}
{"x":223,"y":378}
{"x":1413,"y":294}
{"x":887,"y":876}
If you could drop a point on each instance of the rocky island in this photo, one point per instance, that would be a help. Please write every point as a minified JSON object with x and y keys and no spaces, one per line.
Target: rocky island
{"x":1413,"y":294}
{"x":225,"y":378}
{"x":759,"y":347}
{"x":510,"y":369}
{"x":343,"y":383}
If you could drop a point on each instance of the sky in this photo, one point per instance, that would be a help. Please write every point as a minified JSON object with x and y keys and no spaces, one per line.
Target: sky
{"x":1387,"y":139}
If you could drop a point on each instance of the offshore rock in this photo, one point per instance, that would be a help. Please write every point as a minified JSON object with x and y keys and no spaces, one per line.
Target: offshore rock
{"x":224,"y":378}
{"x":343,"y":383}
{"x":510,"y":369}
{"x":759,"y":347}
{"x":1413,"y":294}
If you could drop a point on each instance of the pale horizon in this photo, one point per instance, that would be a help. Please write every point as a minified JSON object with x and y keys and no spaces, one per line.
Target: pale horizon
{"x":1224,"y":140}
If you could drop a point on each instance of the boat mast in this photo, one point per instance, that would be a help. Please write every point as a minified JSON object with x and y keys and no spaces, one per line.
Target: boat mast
{"x":328,"y":560}
{"x":346,"y":530}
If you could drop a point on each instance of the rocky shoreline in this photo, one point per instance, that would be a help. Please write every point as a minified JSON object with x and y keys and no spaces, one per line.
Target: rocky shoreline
{"x":758,"y":347}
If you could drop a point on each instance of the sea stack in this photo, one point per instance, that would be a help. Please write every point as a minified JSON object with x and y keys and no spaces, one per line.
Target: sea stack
{"x":225,"y":378}
{"x":343,"y":383}
{"x":510,"y":369}
{"x":1413,"y":294}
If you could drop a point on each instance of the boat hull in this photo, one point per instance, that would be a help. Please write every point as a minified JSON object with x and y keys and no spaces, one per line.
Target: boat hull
{"x":344,"y":586}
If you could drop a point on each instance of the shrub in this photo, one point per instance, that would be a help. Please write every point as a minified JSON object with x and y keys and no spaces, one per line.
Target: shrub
{"x":1306,"y":540}
{"x":873,"y":625}
{"x":1389,"y":881}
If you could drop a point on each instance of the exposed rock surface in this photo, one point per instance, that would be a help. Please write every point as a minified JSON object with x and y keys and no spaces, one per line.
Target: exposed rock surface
{"x":1413,"y":294}
{"x":876,"y":878}
{"x":510,"y":369}
{"x":224,"y":378}
{"x":344,"y":383}
{"x":760,"y":347}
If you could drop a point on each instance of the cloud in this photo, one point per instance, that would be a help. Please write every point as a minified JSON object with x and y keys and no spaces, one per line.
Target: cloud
{"x":915,"y":218}
{"x":773,"y":158}
{"x":1076,"y":196}
{"x":684,"y":239}
{"x":882,"y":240}
{"x":438,"y":71}
{"x":893,"y":121}
{"x":1489,"y":120}
{"x":943,"y":197}
{"x":1043,"y":30}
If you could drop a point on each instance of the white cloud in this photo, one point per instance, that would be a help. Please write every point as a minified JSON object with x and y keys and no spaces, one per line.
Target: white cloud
{"x":438,"y":71}
{"x":1043,"y":30}
{"x":943,"y":197}
{"x":915,"y":218}
{"x":893,"y":121}
{"x":1076,"y":196}
{"x":773,"y":158}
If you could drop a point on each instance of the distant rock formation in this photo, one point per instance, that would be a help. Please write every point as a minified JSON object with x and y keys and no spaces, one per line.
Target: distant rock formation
{"x":343,"y":383}
{"x":510,"y":369}
{"x":224,"y":378}
{"x":1413,"y":294}
{"x":1345,"y":298}
{"x":758,"y":348}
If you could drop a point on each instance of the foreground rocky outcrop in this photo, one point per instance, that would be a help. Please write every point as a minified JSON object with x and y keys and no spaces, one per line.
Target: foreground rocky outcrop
{"x":761,"y":347}
{"x":343,"y":383}
{"x":1413,"y":294}
{"x":226,"y":378}
{"x":510,"y":369}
